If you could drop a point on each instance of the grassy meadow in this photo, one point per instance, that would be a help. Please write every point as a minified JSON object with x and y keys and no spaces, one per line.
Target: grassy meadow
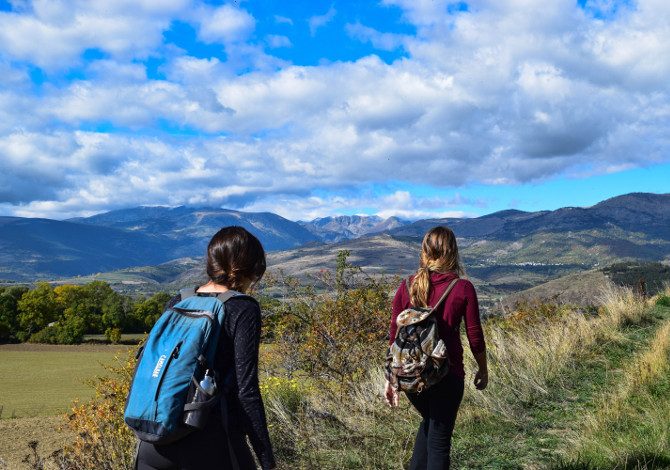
{"x":38,"y":385}
{"x":42,"y":380}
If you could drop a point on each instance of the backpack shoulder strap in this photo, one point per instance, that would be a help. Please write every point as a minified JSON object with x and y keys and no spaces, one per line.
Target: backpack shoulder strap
{"x":229,"y":294}
{"x":223,"y":297}
{"x":226,"y":296}
{"x":446,"y":293}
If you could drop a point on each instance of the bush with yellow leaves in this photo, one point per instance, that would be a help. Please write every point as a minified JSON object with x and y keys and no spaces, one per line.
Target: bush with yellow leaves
{"x":102,"y":439}
{"x":335,"y":335}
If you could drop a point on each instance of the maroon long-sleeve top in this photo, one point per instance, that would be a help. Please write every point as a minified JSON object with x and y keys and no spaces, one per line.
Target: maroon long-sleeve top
{"x":461,"y":303}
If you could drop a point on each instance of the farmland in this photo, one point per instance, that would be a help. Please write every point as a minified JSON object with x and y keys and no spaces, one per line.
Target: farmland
{"x":39,"y":383}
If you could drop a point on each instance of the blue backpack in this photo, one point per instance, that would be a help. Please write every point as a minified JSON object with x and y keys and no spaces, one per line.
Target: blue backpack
{"x":179,"y":349}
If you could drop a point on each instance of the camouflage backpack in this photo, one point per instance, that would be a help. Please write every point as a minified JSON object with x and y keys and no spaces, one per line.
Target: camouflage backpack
{"x":417,"y":358}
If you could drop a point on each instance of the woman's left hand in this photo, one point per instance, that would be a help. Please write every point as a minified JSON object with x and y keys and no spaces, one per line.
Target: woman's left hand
{"x":391,"y":395}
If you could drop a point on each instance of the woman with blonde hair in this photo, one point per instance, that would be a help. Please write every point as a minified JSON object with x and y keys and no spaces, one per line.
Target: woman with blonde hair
{"x":438,"y":404}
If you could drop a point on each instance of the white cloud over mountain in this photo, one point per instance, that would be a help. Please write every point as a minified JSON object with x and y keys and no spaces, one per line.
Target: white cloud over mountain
{"x":509,"y":91}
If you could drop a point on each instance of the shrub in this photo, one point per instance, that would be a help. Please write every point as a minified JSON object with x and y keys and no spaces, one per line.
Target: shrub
{"x":333,"y":337}
{"x":113,"y":335}
{"x":663,"y":300}
{"x":67,"y":331}
{"x":48,"y":335}
{"x":291,"y":393}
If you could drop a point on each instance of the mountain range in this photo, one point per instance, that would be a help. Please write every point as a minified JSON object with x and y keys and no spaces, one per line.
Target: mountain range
{"x":512,"y":248}
{"x":185,"y":231}
{"x":643,"y":213}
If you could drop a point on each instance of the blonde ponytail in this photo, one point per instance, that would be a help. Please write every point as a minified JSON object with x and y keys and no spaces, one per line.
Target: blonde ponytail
{"x":439,"y":253}
{"x":420,"y":287}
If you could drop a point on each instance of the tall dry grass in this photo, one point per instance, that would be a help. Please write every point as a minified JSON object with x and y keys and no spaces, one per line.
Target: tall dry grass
{"x":526,"y":356}
{"x":352,"y":431}
{"x":633,"y":420}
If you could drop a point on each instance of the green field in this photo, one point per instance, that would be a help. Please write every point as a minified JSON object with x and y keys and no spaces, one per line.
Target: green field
{"x":38,"y":383}
{"x":42,"y":380}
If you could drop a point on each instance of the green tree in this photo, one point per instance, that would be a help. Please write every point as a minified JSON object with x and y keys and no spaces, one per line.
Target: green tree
{"x":147,"y":311}
{"x":71,"y":328}
{"x":96,"y":304}
{"x":37,"y":308}
{"x":98,"y":294}
{"x":9,"y":321}
{"x":79,"y":314}
{"x":115,"y":312}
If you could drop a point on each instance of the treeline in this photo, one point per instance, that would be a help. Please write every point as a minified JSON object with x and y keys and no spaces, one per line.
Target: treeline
{"x":651,"y":278}
{"x":64,"y":314}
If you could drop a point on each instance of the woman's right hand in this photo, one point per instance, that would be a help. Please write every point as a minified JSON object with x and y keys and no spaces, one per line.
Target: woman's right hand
{"x":481,"y":379}
{"x":391,"y":395}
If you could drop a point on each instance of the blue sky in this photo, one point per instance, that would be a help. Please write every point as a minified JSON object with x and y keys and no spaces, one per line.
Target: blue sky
{"x":416,"y":108}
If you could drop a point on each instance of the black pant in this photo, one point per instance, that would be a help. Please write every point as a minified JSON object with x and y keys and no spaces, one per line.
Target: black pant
{"x":438,"y":407}
{"x":202,"y":450}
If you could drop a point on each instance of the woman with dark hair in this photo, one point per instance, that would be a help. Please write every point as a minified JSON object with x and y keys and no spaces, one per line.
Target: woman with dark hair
{"x":235,"y":261}
{"x":438,"y":405}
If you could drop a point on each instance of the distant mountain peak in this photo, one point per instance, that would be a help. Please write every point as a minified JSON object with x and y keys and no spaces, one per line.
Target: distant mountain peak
{"x":345,"y":227}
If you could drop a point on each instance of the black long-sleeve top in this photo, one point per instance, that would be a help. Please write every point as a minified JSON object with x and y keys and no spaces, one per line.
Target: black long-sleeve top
{"x":237,"y":353}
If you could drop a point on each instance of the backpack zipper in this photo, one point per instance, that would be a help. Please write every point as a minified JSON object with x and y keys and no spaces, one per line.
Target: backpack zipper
{"x":173,"y":355}
{"x":194,"y":313}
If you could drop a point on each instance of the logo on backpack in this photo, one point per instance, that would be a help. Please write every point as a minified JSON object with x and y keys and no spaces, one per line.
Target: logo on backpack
{"x":159,"y":364}
{"x":417,"y":358}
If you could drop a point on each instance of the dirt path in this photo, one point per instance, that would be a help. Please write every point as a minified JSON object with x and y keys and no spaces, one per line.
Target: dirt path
{"x":16,"y":433}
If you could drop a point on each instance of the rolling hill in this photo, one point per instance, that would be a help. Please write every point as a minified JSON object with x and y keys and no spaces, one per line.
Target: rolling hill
{"x":36,"y":248}
{"x":42,"y":248}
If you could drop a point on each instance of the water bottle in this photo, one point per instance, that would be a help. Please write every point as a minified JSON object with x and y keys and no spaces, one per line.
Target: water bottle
{"x":198,"y":418}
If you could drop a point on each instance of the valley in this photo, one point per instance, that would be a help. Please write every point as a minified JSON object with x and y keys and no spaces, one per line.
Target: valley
{"x":144,"y":250}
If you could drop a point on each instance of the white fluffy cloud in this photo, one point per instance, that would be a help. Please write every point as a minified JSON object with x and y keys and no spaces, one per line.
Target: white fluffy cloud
{"x":54,"y":33}
{"x":225,"y":24}
{"x":511,"y":91}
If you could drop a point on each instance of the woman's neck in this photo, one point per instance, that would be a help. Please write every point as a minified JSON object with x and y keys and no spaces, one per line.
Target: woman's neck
{"x":212,"y":287}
